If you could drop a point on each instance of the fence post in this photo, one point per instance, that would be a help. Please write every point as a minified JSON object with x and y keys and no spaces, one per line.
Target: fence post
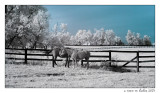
{"x":137,"y":61}
{"x":25,"y":56}
{"x":110,"y":58}
{"x":53,"y":61}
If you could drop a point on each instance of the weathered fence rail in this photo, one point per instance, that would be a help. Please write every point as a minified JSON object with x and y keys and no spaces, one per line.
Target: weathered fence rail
{"x":26,"y":53}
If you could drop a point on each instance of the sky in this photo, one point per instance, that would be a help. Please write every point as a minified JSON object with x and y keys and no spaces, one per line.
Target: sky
{"x":119,"y":18}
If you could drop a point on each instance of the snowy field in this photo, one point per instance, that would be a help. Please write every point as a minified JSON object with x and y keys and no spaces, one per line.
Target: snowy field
{"x":44,"y":76}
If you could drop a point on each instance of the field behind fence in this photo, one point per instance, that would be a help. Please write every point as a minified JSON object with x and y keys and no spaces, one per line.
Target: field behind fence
{"x":126,"y":55}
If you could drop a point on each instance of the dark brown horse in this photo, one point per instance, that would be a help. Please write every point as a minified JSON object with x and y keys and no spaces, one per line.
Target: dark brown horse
{"x":66,"y":53}
{"x":60,"y":52}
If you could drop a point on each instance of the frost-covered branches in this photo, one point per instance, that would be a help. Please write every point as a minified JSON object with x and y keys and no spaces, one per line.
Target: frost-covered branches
{"x":146,"y":40}
{"x":99,"y":37}
{"x":59,"y":36}
{"x":118,"y":41}
{"x":25,"y":25}
{"x":63,"y":27}
{"x":133,"y":39}
{"x":110,"y":37}
{"x":83,"y":37}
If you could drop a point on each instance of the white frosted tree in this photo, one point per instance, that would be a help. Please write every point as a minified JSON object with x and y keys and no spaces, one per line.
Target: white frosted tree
{"x":138,"y":40}
{"x":96,"y":37}
{"x":18,"y":24}
{"x":118,"y":41}
{"x":64,"y":37}
{"x":99,"y":37}
{"x":133,"y":39}
{"x":146,"y":40}
{"x":80,"y":37}
{"x":103,"y":36}
{"x":130,"y":38}
{"x":110,"y":37}
{"x":89,"y":37}
{"x":55,"y":28}
{"x":60,"y":35}
{"x":54,"y":40}
{"x":73,"y":41}
{"x":63,"y":27}
{"x":40,"y":28}
{"x":83,"y":37}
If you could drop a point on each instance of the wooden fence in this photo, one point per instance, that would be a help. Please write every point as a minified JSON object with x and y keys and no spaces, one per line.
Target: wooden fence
{"x":136,"y":59}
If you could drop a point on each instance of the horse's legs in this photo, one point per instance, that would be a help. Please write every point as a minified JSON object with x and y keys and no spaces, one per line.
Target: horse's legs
{"x":87,"y":62}
{"x":81,"y":63}
{"x":74,"y":62}
{"x":68,"y":61}
{"x":55,"y":61}
{"x":65,"y":64}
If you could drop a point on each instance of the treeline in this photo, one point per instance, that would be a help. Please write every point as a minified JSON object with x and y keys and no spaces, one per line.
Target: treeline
{"x":99,"y":37}
{"x":28,"y":26}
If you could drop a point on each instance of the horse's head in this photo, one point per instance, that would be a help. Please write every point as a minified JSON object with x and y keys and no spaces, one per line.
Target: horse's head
{"x":63,"y":52}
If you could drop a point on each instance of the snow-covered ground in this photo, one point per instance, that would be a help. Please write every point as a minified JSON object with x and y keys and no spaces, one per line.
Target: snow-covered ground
{"x":23,"y":76}
{"x":44,"y":76}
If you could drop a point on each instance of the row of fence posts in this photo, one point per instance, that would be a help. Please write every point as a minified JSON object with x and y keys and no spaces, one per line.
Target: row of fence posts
{"x":110,"y":59}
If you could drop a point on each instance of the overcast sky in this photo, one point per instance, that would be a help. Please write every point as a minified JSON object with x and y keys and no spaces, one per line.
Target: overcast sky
{"x":119,"y":18}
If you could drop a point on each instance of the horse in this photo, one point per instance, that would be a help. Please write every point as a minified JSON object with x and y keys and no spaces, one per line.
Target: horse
{"x":66,"y":52}
{"x":80,"y":55}
{"x":60,"y":52}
